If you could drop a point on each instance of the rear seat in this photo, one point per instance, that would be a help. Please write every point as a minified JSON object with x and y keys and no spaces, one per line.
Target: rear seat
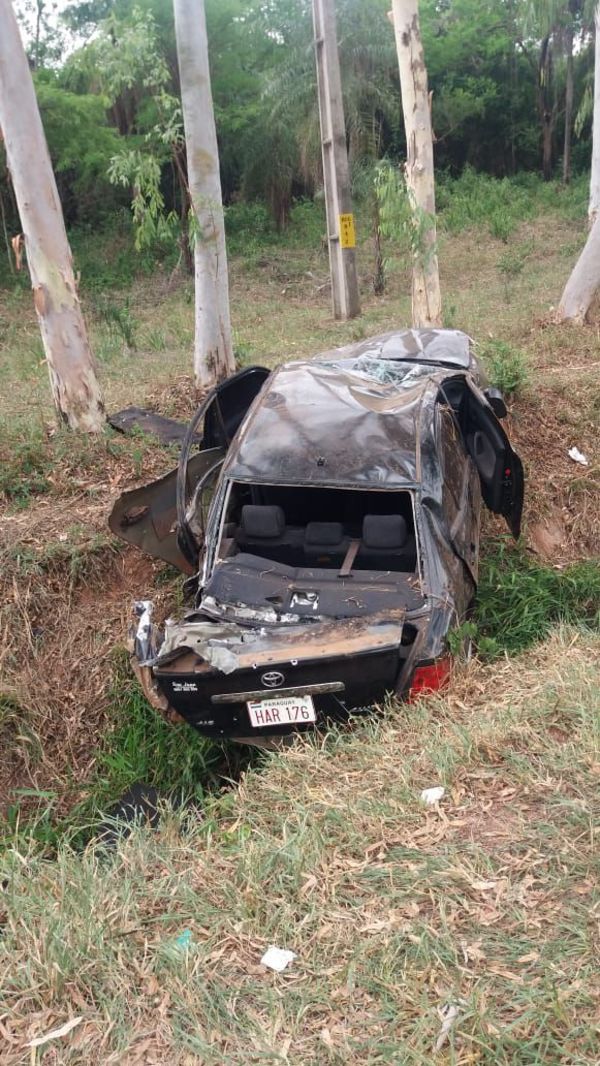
{"x":325,"y":544}
{"x":262,"y":531}
{"x":386,"y":544}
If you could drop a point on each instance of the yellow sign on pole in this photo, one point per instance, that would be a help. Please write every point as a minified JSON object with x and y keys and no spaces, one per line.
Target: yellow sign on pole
{"x":347,"y":231}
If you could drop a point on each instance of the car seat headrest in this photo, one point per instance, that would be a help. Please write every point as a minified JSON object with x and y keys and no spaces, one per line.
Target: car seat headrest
{"x":262,"y":521}
{"x":384,"y":531}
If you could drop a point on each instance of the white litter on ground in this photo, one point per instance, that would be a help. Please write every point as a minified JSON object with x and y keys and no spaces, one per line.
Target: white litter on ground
{"x":433,"y":795}
{"x":277,"y":959}
{"x":578,"y":457}
{"x":448,"y":1015}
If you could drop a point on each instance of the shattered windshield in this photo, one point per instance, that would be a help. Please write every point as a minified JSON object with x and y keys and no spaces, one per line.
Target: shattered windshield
{"x":385,"y":371}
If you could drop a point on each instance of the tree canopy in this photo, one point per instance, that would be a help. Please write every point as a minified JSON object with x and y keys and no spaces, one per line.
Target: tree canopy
{"x":106,"y":76}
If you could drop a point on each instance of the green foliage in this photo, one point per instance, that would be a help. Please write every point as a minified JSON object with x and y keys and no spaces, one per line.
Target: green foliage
{"x":507,"y":366}
{"x":142,"y":172}
{"x":511,"y":265}
{"x":81,"y":146}
{"x":394,"y":218}
{"x":108,"y":259}
{"x":519,"y":600}
{"x":142,"y":746}
{"x":479,"y":200}
{"x":23,"y":461}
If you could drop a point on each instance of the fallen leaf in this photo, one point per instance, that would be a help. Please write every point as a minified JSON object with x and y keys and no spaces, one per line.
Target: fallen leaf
{"x":54,"y":1034}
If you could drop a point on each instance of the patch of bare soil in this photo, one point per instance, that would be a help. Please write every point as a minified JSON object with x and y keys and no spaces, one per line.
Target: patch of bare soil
{"x":561,"y":496}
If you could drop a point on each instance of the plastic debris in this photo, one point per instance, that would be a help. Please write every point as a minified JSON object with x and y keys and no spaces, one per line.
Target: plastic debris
{"x":578,"y":457}
{"x":448,"y":1014}
{"x":54,"y":1034}
{"x":145,"y":631}
{"x":277,"y":959}
{"x":433,"y":795}
{"x":184,"y":940}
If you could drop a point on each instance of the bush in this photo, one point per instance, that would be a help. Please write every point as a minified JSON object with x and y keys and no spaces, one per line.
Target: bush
{"x":507,"y":366}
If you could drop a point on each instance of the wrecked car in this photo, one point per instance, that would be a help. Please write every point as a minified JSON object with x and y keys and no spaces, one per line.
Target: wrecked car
{"x":327,"y":514}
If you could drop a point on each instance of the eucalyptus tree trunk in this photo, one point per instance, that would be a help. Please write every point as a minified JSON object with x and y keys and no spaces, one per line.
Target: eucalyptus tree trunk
{"x":426,"y":296}
{"x":213,"y":349}
{"x":71,"y":365}
{"x":594,"y":204}
{"x":584,"y":281}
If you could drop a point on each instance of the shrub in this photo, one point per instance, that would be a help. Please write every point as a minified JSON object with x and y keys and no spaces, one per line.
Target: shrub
{"x":507,"y":366}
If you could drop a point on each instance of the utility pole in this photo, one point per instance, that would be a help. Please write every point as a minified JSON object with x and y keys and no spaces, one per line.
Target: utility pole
{"x":341,"y":237}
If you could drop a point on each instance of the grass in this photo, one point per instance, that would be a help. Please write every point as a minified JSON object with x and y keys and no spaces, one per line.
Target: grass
{"x":37,"y":459}
{"x":519,"y":600}
{"x":395,"y":911}
{"x":141,"y":746}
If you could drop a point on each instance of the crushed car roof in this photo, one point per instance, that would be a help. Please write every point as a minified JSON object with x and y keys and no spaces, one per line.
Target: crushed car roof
{"x":351,"y":416}
{"x":446,"y":347}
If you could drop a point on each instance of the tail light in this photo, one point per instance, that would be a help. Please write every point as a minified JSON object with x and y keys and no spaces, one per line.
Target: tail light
{"x":430,"y":677}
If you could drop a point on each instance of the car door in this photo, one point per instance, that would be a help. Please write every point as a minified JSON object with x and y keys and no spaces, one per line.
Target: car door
{"x":460,"y":491}
{"x":498,"y":465}
{"x":156,"y":517}
{"x":147,"y":517}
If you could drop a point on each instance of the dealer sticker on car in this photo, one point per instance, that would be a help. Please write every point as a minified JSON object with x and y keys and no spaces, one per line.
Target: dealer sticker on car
{"x":285,"y":710}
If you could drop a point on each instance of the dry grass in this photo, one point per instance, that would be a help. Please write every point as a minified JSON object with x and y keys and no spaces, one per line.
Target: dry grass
{"x":487,"y":903}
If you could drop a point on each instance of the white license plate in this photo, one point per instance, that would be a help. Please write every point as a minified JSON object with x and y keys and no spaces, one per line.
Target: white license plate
{"x":286,"y":710}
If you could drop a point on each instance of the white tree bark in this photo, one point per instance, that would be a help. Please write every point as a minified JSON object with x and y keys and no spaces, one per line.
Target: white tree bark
{"x":213,"y":349}
{"x":71,"y":365}
{"x":594,"y":204}
{"x":584,"y":280}
{"x":426,"y":296}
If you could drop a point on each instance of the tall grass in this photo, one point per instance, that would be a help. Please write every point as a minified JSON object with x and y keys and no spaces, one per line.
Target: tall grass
{"x":519,"y":600}
{"x":499,"y":204}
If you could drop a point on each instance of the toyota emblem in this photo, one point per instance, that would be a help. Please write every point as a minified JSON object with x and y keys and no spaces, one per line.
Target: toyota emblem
{"x":272,"y":679}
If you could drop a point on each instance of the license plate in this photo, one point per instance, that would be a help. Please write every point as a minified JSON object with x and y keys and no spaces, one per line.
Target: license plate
{"x":287,"y":710}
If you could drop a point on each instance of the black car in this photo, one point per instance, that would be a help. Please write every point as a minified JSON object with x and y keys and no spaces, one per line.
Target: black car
{"x":328,"y":514}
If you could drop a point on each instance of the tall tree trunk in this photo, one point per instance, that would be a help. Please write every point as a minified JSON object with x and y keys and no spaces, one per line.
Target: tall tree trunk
{"x":584,"y":280}
{"x":568,"y":109}
{"x":426,"y":296}
{"x":213,"y":349}
{"x":594,"y":204}
{"x":546,"y":109}
{"x":72,"y":369}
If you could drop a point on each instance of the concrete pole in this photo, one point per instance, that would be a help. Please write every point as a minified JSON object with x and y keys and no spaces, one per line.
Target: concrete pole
{"x":336,"y":176}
